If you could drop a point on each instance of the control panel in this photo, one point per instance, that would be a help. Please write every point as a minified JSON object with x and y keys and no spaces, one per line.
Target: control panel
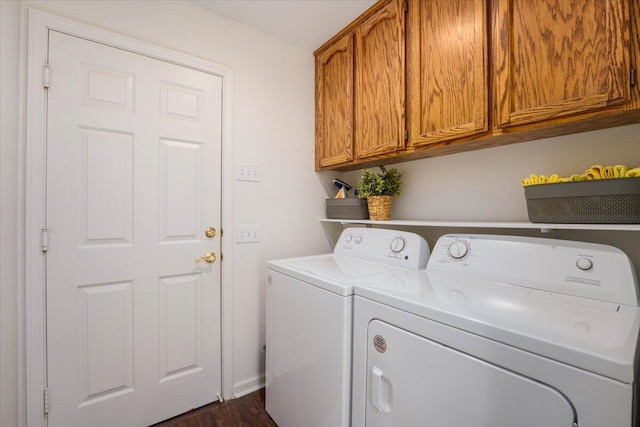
{"x":575,"y":268}
{"x":398,"y":248}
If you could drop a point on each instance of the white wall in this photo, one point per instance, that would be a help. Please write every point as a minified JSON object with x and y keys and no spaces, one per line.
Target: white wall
{"x":273,"y":125}
{"x":9,"y":78}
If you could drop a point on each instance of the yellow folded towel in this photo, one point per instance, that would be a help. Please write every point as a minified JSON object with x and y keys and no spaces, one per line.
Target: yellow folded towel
{"x":576,"y":177}
{"x":531,"y":180}
{"x":607,"y":172}
{"x":595,"y":172}
{"x":619,"y":171}
{"x":633,"y":173}
{"x":542,"y":179}
{"x":555,"y":178}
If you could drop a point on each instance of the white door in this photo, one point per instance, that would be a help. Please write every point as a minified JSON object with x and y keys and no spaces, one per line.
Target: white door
{"x":413,"y":381}
{"x":133,"y":182}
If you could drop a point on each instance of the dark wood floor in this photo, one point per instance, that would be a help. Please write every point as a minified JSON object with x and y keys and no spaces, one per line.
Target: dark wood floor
{"x":245,"y":411}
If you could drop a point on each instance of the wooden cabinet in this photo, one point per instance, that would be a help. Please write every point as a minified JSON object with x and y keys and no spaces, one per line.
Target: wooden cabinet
{"x":446,"y":70}
{"x":557,"y":58}
{"x":379,"y":77}
{"x":334,"y":104}
{"x":360,"y":88}
{"x":478,"y":73}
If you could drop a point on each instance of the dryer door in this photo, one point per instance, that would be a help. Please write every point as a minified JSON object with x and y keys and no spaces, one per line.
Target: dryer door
{"x":413,"y":381}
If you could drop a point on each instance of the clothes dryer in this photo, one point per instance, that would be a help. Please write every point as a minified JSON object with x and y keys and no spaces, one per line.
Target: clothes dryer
{"x":499,"y":331}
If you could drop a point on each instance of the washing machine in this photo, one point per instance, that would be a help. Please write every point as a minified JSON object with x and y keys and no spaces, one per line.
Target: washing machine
{"x":499,"y":331}
{"x":309,"y":323}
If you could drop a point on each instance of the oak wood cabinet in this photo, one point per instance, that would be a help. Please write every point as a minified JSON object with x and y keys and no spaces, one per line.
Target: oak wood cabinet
{"x":478,"y":74}
{"x":447,"y":78}
{"x":334,"y":103}
{"x":379,"y":81}
{"x":558,"y":58}
{"x":360,"y":88}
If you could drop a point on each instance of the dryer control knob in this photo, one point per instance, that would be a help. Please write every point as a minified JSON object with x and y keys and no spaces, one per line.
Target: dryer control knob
{"x":358,"y":238}
{"x":584,"y":264}
{"x":458,"y":249}
{"x":348,"y":238}
{"x":397,"y":244}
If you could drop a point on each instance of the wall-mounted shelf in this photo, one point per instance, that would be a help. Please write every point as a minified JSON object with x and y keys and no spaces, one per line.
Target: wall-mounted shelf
{"x":490,"y":224}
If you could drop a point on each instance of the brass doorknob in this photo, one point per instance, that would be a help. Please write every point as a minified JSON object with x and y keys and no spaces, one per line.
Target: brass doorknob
{"x":209,"y":258}
{"x":210,"y":232}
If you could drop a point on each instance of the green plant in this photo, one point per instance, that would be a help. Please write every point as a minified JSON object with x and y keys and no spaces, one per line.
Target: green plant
{"x":387,"y":183}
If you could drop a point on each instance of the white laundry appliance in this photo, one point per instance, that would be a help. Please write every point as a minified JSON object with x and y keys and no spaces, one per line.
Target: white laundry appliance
{"x":309,"y":323}
{"x":499,"y":331}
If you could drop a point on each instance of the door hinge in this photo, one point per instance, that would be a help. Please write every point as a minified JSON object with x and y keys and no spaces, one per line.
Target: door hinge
{"x":221,"y":232}
{"x":46,"y":76}
{"x":633,"y":77}
{"x":405,"y":6}
{"x":45,"y":239}
{"x":221,"y":257}
{"x":46,"y":400}
{"x":406,"y":134}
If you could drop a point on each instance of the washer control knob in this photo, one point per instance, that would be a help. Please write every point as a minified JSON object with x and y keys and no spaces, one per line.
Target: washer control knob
{"x":348,"y":238}
{"x":458,"y":249}
{"x":584,"y":264}
{"x":358,"y":238}
{"x":397,"y":244}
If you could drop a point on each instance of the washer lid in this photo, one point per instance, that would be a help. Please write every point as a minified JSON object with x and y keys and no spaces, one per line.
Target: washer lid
{"x":597,"y":336}
{"x":334,"y":273}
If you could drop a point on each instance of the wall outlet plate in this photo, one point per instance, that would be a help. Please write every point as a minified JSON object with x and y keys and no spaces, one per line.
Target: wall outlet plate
{"x":248,"y":172}
{"x":247,"y":233}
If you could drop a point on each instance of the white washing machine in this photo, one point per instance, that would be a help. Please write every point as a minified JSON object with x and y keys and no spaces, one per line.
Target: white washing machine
{"x":309,"y":323}
{"x":499,"y":332}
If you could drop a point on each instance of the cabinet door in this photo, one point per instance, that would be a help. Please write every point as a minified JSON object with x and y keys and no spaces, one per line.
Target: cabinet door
{"x":446,"y":70}
{"x":379,"y":76}
{"x":334,"y":104}
{"x":556,"y":58}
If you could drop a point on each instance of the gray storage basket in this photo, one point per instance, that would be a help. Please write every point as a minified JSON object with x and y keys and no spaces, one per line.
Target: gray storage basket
{"x":351,"y":208}
{"x":605,"y":201}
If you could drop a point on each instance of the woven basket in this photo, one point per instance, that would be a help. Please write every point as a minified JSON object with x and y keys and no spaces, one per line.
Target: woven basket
{"x":379,"y":208}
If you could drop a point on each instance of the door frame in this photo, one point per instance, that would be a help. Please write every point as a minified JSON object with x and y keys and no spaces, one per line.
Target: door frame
{"x":33,"y":189}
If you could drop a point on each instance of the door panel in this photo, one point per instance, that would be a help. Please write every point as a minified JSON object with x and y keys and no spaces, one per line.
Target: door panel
{"x":133,"y":181}
{"x":107,"y":187}
{"x":180,"y":195}
{"x":415,"y":381}
{"x":106,"y":350}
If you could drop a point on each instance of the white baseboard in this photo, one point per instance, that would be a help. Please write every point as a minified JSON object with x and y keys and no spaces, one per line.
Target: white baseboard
{"x":248,"y":386}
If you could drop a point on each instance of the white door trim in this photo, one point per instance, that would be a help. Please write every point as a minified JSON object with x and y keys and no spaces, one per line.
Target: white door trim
{"x":34,"y":191}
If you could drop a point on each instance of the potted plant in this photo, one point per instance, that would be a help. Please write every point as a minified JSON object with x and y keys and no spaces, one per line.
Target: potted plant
{"x":378,"y":188}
